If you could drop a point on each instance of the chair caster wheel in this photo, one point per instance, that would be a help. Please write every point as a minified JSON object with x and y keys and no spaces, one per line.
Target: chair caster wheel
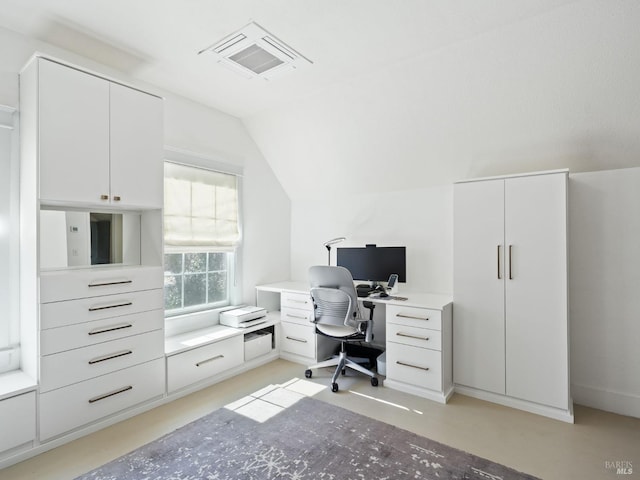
{"x":374,"y":381}
{"x":308,"y":373}
{"x":334,"y":387}
{"x":344,"y":371}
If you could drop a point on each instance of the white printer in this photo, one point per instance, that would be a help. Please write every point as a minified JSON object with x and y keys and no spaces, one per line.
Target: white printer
{"x":243,"y":317}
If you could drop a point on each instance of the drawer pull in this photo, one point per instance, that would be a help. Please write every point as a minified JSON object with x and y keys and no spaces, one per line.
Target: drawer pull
{"x":296,"y":316}
{"x":217,"y":357}
{"x":304,"y":302}
{"x":110,"y":329}
{"x":412,"y":366}
{"x":110,"y":357}
{"x":95,"y":309}
{"x":404,"y":315}
{"x":110,"y":394}
{"x":301,"y":340}
{"x":106,"y":284}
{"x":401,"y":334}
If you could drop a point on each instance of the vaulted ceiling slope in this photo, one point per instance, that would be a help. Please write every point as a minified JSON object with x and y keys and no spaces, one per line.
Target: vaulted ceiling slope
{"x":402,"y":94}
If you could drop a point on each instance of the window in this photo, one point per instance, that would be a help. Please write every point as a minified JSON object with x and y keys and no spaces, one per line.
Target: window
{"x":9,"y":242}
{"x":201,"y":232}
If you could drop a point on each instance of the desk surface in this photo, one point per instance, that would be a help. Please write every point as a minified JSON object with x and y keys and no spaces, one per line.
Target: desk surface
{"x":413,"y":299}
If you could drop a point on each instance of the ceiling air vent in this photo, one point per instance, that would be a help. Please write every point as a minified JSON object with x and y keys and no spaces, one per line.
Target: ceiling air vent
{"x":254,"y":52}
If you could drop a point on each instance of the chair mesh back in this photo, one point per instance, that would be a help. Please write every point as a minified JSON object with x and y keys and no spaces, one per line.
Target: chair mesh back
{"x":331,"y":306}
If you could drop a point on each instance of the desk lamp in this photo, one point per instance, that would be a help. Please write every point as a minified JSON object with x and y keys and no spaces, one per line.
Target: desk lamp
{"x":328,"y":244}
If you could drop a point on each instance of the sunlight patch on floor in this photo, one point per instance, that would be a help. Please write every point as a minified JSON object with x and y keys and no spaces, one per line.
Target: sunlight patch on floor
{"x":401,"y":407}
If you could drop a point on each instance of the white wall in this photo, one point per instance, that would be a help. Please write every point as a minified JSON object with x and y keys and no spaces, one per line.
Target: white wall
{"x":604,"y":263}
{"x":421,"y":220}
{"x":208,"y":132}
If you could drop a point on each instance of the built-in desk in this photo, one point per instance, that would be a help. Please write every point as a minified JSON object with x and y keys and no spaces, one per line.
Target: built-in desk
{"x":418,"y":338}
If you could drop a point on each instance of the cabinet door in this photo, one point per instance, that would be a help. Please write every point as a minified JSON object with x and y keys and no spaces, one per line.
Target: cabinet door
{"x":137,"y":169}
{"x":478,"y":285}
{"x":73,"y":135}
{"x":536,"y":290}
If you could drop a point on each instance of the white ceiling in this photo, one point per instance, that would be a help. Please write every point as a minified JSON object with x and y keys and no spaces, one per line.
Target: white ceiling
{"x":402,"y":94}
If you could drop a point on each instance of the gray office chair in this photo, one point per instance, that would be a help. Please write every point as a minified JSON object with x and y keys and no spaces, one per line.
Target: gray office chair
{"x":335,"y":307}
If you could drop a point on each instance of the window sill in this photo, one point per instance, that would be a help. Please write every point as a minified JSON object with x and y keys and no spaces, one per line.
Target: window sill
{"x":15,"y":383}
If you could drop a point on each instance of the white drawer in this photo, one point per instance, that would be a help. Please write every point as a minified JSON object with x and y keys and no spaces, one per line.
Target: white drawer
{"x":414,"y":317}
{"x":200,"y":363}
{"x":298,"y":339}
{"x":417,"y":337}
{"x":82,"y":283}
{"x":59,"y":314}
{"x":301,"y":301}
{"x":72,"y":366}
{"x":71,"y":407}
{"x":18,"y":420}
{"x":413,"y":365}
{"x":55,"y":340}
{"x":296,"y":315}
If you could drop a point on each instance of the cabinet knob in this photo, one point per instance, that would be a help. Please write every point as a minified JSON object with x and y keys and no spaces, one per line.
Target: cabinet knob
{"x":116,"y":198}
{"x":104,"y":197}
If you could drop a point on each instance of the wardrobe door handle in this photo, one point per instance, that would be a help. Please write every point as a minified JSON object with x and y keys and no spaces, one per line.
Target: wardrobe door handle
{"x":499,"y":276}
{"x":510,"y":262}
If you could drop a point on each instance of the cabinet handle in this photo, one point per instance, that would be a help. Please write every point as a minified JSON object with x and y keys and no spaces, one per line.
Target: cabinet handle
{"x":116,"y":198}
{"x":296,"y":316}
{"x":110,"y":329}
{"x":104,"y":197}
{"x":510,"y":262}
{"x":106,"y":284}
{"x":404,"y":315}
{"x":297,"y":339}
{"x":111,"y":356}
{"x":499,"y":276}
{"x":401,"y":334}
{"x":95,"y":309}
{"x":111,"y":394}
{"x":412,"y":366}
{"x":217,"y":357}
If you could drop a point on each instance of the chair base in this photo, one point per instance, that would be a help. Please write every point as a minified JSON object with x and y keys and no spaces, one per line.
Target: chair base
{"x":342,"y":362}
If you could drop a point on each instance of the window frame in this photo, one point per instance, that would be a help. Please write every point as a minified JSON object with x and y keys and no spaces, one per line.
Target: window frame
{"x":186,"y":314}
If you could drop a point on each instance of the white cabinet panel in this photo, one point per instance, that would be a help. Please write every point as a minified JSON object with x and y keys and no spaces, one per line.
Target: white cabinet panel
{"x":536,"y":289}
{"x":414,"y":317}
{"x":294,"y":315}
{"x":414,"y":366}
{"x":18,"y":420}
{"x":478,"y":285}
{"x":204,"y":362}
{"x":73,"y":134}
{"x":136,"y":130}
{"x":297,"y":300}
{"x":71,"y":407}
{"x":298,"y":339}
{"x":417,"y":337}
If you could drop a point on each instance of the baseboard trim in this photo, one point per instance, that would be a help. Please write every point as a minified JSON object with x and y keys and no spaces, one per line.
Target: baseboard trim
{"x":607,"y":400}
{"x":440,"y":397}
{"x":550,"y":412}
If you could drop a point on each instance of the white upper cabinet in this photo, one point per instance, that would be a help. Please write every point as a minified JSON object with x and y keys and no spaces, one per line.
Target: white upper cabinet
{"x":73,"y":134}
{"x":100,"y":143}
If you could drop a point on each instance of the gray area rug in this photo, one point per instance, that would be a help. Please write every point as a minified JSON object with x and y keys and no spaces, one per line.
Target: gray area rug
{"x":308,"y":440}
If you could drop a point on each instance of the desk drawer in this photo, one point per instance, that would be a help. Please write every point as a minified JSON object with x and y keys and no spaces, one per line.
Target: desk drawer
{"x":417,"y":337}
{"x":71,"y":407}
{"x":297,"y":300}
{"x":414,"y":317}
{"x":296,"y":315}
{"x":204,"y":362}
{"x":82,"y":283}
{"x":298,"y":339}
{"x":53,"y":340}
{"x":72,"y":366}
{"x":413,"y":365}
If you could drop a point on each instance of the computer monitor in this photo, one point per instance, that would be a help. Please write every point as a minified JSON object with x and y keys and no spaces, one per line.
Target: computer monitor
{"x":374,"y":264}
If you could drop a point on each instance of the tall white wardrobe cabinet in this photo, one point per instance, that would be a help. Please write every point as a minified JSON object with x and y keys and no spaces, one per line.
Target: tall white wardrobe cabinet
{"x":510,"y":327}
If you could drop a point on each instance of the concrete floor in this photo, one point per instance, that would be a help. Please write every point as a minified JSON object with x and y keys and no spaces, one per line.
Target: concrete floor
{"x":546,"y":448}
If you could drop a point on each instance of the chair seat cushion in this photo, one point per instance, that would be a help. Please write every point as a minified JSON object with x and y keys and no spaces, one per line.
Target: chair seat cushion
{"x":338,"y":331}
